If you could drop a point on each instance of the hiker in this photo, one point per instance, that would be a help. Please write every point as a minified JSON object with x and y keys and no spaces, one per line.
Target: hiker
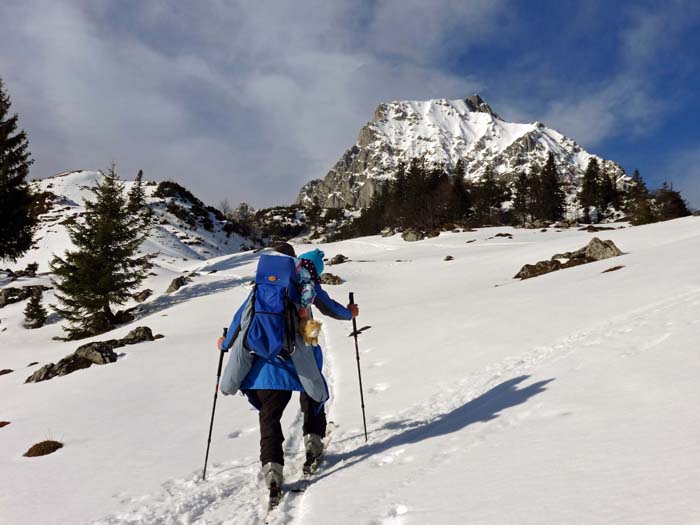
{"x":268,"y":382}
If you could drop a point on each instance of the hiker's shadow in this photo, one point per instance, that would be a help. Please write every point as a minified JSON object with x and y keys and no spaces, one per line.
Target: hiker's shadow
{"x":484,"y":408}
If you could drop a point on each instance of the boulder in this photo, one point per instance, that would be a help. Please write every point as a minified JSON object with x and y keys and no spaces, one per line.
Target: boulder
{"x":99,"y":352}
{"x":177,"y":283}
{"x":449,"y":258}
{"x":141,"y":296}
{"x":411,"y":235}
{"x":329,"y":278}
{"x":387,"y":232}
{"x":599,"y":250}
{"x":594,"y":229}
{"x":44,"y":373}
{"x":534,"y":270}
{"x":5,"y":371}
{"x":138,"y":335}
{"x":506,"y":235}
{"x":338,"y":259}
{"x":15,"y":295}
{"x":595,"y":250}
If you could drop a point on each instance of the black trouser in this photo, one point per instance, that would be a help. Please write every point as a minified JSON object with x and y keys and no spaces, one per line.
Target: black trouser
{"x":272,"y":404}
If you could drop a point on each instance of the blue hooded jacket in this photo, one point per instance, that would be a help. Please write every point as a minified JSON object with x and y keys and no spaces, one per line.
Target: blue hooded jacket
{"x":279,"y":373}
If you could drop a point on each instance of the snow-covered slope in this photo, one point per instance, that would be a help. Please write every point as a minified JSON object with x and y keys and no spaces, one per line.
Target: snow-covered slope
{"x":171,"y":237}
{"x":444,"y":131}
{"x":567,"y":398}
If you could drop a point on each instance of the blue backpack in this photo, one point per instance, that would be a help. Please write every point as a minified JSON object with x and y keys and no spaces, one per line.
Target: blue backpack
{"x":270,"y":324}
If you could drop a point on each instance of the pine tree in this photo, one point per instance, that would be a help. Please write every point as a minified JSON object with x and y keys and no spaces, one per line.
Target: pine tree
{"x":551,"y":196}
{"x":137,"y":204}
{"x":16,"y":220}
{"x":490,"y":194}
{"x":104,"y":268}
{"x":589,"y":194}
{"x":522,"y":201}
{"x":35,"y":314}
{"x":461,"y":198}
{"x":638,"y":202}
{"x":670,"y":203}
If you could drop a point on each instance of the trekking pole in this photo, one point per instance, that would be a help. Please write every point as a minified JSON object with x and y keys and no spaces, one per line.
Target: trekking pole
{"x":359,"y":373}
{"x":216,"y":394}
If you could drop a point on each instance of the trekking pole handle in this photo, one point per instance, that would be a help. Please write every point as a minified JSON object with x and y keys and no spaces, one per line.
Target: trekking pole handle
{"x":352,"y":297}
{"x":221,"y":359}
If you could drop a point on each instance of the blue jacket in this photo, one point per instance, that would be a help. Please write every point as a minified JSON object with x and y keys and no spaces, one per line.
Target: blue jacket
{"x":279,"y":373}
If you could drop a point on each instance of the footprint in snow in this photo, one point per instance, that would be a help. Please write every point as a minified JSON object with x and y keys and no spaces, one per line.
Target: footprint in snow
{"x":379,"y":387}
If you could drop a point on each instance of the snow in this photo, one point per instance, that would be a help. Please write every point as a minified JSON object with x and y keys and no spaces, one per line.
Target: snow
{"x":565,"y":398}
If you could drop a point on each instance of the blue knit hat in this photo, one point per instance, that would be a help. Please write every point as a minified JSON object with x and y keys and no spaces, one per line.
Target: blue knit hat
{"x":315,"y":256}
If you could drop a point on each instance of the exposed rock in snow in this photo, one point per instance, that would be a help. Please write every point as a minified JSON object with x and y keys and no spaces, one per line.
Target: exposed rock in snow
{"x":15,"y":295}
{"x":177,"y":283}
{"x":329,"y":278}
{"x":595,"y":250}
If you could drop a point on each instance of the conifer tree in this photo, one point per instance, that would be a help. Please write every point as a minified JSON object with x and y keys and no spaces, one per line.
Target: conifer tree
{"x":638,"y":202}
{"x":137,"y":204}
{"x":670,"y":203}
{"x":551,"y":195}
{"x":35,"y":314}
{"x":490,"y":194}
{"x":522,"y":201}
{"x":461,"y":198}
{"x":589,"y":194}
{"x":16,"y":220}
{"x":105,"y":267}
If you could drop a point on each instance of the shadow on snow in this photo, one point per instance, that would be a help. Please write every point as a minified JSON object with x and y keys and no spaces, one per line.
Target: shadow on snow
{"x":484,"y":408}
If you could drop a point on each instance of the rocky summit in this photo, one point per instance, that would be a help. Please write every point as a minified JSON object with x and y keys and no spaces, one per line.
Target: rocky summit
{"x":444,"y":131}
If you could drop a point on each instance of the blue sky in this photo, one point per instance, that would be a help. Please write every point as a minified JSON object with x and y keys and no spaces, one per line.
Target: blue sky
{"x":249,"y":100}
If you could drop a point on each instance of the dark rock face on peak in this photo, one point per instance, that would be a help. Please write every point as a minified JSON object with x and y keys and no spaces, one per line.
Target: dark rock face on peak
{"x":476,"y":103}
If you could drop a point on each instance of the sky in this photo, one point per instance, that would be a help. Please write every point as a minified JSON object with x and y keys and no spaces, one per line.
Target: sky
{"x":248,"y":100}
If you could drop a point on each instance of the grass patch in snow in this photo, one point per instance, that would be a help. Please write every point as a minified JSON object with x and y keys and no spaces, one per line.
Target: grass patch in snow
{"x":43,"y":448}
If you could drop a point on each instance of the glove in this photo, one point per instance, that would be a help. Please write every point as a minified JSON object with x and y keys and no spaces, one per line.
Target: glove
{"x":354,"y":309}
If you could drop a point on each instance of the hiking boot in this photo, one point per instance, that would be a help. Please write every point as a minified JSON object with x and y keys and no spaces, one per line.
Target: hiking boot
{"x":272,"y":473}
{"x":314,"y":445}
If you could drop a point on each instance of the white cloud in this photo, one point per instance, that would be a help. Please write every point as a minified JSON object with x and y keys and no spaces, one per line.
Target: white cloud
{"x":256,"y":98}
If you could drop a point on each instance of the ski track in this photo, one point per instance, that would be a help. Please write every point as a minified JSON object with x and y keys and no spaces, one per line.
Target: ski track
{"x":234,"y":493}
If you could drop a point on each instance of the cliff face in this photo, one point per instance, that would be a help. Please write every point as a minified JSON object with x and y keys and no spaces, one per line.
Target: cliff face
{"x":443,"y":131}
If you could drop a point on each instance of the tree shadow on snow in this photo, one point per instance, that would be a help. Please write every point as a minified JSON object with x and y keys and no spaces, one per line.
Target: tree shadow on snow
{"x":187,"y":293}
{"x":484,"y":408}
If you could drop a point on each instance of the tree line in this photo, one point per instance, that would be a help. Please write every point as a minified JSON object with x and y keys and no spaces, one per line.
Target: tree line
{"x":424,"y":197}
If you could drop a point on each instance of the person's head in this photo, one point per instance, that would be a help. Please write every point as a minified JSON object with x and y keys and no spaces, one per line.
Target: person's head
{"x":316,"y":257}
{"x":285,"y":248}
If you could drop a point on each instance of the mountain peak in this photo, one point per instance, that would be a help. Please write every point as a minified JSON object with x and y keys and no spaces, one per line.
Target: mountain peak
{"x":476,"y":103}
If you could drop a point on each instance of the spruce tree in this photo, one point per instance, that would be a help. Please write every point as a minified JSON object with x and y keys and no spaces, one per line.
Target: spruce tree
{"x":16,"y":220}
{"x":522,"y":201}
{"x":670,"y":203}
{"x":490,"y":194}
{"x":461,"y":198}
{"x":137,"y":205}
{"x":589,"y":194}
{"x":104,"y":268}
{"x":551,"y":198}
{"x":638,"y":202}
{"x":35,"y":314}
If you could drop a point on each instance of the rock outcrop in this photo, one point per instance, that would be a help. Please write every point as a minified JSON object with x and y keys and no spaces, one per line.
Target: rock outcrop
{"x":95,"y":353}
{"x":15,"y":295}
{"x":595,"y":250}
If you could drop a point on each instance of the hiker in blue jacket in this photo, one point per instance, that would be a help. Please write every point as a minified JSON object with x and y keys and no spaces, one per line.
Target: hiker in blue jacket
{"x":269,"y":383}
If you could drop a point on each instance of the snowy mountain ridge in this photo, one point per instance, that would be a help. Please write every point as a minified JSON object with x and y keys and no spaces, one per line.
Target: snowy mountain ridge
{"x":444,"y":131}
{"x":177,"y":231}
